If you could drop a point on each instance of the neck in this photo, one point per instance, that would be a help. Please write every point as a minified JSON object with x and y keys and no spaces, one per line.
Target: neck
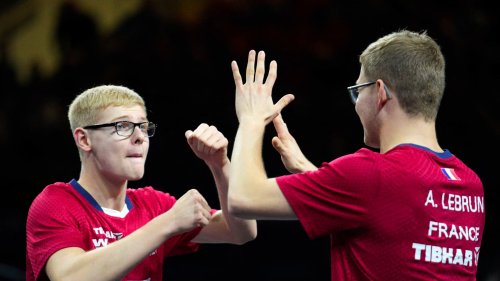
{"x":109,"y":194}
{"x":409,"y":130}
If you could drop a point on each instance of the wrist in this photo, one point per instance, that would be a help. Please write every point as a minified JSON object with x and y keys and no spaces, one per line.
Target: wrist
{"x":251,"y":123}
{"x":218,"y":164}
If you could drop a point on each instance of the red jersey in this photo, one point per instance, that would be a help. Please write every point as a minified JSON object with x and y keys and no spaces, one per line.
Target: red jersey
{"x":65,"y":215}
{"x":408,"y":214}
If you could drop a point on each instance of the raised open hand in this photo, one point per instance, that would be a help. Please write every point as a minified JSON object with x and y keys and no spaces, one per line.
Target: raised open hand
{"x":254,"y":97}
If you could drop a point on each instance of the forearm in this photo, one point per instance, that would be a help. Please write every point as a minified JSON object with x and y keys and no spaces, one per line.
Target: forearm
{"x":241,"y":230}
{"x":248,"y":174}
{"x":113,"y":261}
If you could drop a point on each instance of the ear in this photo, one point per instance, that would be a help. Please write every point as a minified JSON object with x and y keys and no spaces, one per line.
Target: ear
{"x":382,"y":95}
{"x":82,"y":140}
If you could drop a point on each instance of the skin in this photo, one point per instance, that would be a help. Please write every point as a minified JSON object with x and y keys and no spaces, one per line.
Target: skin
{"x":252,"y":194}
{"x":285,"y":144}
{"x":109,"y":162}
{"x":386,"y":124}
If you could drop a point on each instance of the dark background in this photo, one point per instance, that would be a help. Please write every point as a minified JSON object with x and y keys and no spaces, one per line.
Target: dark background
{"x":177,"y":55}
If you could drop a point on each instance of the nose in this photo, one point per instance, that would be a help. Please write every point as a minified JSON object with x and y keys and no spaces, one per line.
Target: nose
{"x":137,"y":135}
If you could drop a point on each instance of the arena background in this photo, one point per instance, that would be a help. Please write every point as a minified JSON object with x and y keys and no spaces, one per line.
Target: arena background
{"x":177,"y":55}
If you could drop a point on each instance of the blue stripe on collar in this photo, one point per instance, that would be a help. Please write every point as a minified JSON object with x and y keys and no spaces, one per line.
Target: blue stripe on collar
{"x":85,"y":194}
{"x":91,"y":199}
{"x":443,"y":155}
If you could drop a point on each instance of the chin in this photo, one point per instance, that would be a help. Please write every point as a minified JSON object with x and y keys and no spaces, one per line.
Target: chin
{"x":135,"y":177}
{"x":371,"y":143}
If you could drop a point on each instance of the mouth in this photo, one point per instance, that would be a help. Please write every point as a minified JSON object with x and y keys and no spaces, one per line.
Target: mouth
{"x":135,"y":155}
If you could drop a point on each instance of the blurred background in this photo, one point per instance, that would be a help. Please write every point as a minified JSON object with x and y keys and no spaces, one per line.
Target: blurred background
{"x":177,"y":55}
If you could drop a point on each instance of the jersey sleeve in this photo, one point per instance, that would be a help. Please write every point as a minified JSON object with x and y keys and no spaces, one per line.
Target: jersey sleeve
{"x":49,"y":229}
{"x":334,"y":198}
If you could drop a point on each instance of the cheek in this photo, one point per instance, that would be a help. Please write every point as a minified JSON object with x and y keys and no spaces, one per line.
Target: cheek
{"x":361,"y":109}
{"x":365,"y":112}
{"x":111,"y":151}
{"x":146,"y":149}
{"x":109,"y":156}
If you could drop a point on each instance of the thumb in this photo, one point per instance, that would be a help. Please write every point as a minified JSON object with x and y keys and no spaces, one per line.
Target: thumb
{"x":278,"y":107}
{"x":283,"y":102}
{"x":188,"y":133}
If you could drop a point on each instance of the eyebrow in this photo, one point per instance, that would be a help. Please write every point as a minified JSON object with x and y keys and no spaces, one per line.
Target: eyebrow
{"x":127,"y":118}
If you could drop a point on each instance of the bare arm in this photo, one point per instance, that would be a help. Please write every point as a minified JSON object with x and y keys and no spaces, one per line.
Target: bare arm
{"x":115,"y":260}
{"x":210,"y":145}
{"x":251,"y":193}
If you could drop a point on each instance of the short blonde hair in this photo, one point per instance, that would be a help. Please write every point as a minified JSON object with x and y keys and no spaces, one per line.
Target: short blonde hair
{"x":85,"y":108}
{"x":413,"y":66}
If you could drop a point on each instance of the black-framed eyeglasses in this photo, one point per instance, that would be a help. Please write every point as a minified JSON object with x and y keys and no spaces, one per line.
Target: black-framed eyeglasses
{"x":126,"y":128}
{"x":354,"y":90}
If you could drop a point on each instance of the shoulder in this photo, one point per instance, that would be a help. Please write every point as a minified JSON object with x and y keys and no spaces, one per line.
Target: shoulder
{"x":147,"y":191}
{"x":359,"y":158}
{"x":350,"y":171}
{"x":150,"y":196}
{"x":361,"y":154}
{"x":58,"y":192}
{"x":54,"y":202}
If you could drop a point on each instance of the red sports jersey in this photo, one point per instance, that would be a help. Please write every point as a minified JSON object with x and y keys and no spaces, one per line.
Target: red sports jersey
{"x":408,"y":214}
{"x":65,"y":215}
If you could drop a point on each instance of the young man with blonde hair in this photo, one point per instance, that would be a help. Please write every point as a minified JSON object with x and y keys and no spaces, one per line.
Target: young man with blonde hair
{"x":96,"y":227}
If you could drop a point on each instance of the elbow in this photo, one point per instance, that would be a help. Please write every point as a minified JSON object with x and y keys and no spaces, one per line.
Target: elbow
{"x":249,"y":234}
{"x":247,"y":238}
{"x":246,"y":230}
{"x":238,"y":206}
{"x":245,"y":234}
{"x":253,"y":235}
